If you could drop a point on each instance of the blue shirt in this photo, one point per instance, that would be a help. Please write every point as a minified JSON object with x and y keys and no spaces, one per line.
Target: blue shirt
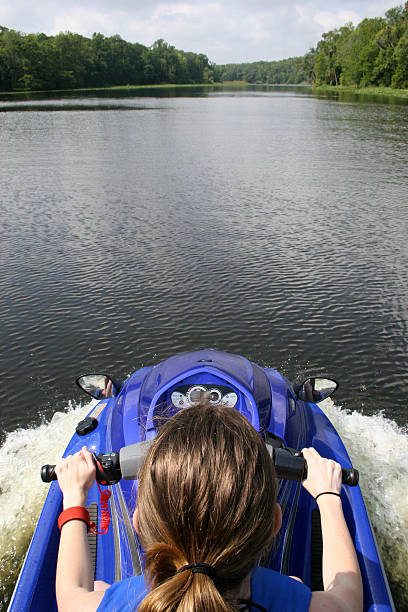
{"x":275,"y":592}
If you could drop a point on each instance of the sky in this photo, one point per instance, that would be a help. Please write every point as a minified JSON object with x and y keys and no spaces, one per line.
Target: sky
{"x":227,"y":31}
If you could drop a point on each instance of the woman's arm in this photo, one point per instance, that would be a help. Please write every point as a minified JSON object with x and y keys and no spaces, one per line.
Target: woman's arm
{"x":343,"y":590}
{"x":74,"y":582}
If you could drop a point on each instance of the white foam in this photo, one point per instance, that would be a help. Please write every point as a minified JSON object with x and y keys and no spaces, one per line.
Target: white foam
{"x":22,"y":493}
{"x":379,"y":449}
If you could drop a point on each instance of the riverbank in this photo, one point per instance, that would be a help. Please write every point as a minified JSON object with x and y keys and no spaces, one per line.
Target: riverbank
{"x":112,"y":88}
{"x":364,"y":91}
{"x":338,"y":91}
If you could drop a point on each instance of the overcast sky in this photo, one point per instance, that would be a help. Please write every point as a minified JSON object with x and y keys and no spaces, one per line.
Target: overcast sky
{"x":225,"y":30}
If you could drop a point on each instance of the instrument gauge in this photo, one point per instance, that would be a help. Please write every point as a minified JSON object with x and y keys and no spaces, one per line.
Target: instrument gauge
{"x":185,"y":396}
{"x":179,"y":400}
{"x":229,"y":399}
{"x":194,"y":394}
{"x":215,"y":396}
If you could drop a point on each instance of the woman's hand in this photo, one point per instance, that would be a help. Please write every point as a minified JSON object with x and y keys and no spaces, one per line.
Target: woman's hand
{"x":76,"y":475}
{"x":323,"y":475}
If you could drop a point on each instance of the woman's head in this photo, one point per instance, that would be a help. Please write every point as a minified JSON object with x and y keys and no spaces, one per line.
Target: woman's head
{"x":207,"y":494}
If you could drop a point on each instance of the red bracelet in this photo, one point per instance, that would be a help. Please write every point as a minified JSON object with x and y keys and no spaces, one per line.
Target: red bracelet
{"x":76,"y":513}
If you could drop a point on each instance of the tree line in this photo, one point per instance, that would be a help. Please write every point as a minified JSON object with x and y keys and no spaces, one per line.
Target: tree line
{"x":290,"y":70}
{"x":71,"y":61}
{"x":373,"y":53}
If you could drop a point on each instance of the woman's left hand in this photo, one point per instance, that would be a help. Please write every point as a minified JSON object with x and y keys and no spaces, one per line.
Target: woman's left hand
{"x":76,"y":475}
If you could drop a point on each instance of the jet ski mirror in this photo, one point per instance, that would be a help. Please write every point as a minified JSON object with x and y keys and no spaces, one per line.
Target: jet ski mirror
{"x":316,"y":389}
{"x":98,"y":386}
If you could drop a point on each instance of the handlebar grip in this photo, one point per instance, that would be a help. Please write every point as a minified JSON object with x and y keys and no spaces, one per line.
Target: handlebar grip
{"x":350,"y":477}
{"x":48,"y":473}
{"x":291,"y":465}
{"x":107,"y":469}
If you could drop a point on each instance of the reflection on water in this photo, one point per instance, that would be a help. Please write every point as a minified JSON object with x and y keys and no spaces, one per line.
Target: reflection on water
{"x":119,"y":95}
{"x":362,"y":98}
{"x":49,"y":107}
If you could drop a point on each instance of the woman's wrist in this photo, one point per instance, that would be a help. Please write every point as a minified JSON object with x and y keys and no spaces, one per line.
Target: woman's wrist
{"x":328,"y":501}
{"x":329,"y":492}
{"x":74,"y":498}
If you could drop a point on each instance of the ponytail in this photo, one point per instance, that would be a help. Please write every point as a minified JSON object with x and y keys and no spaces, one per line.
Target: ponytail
{"x":185,"y":591}
{"x":207,"y":495}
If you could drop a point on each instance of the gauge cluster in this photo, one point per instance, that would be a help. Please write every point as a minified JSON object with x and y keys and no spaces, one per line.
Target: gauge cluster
{"x":188,"y":395}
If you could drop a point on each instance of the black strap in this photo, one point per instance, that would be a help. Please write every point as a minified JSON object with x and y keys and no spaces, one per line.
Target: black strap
{"x":247,"y":603}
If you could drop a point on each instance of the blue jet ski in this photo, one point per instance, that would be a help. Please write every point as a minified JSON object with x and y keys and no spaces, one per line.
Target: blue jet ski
{"x":120,"y":428}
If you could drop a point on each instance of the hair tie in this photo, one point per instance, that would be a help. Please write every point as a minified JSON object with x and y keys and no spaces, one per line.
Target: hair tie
{"x":200,"y":568}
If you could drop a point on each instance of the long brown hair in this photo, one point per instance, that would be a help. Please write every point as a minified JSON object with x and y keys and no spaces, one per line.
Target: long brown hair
{"x":207,"y":494}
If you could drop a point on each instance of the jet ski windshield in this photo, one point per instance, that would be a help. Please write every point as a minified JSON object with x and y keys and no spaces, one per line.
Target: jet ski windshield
{"x":181,"y":380}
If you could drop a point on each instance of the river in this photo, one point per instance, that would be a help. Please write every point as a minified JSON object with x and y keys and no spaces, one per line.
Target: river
{"x":265,"y":221}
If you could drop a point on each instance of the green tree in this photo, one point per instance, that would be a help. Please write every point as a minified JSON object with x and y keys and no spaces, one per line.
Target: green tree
{"x":358,"y":52}
{"x":391,"y":52}
{"x":74,"y":60}
{"x":400,"y":76}
{"x":308,"y":65}
{"x":12,"y":59}
{"x":39,"y":62}
{"x":328,"y":67}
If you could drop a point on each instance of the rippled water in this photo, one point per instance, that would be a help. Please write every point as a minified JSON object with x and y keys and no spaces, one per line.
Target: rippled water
{"x":266,"y":222}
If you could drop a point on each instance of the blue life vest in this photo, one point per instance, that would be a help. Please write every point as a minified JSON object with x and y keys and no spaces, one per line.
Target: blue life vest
{"x":273,"y":591}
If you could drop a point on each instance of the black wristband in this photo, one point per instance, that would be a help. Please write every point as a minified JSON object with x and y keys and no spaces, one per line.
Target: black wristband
{"x":327,"y":493}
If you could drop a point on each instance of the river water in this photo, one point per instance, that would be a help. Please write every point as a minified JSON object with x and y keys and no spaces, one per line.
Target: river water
{"x":263,"y":221}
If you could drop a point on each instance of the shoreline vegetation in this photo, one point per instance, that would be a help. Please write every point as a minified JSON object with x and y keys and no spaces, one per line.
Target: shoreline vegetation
{"x":365,"y":91}
{"x":318,"y":89}
{"x":371,"y":58}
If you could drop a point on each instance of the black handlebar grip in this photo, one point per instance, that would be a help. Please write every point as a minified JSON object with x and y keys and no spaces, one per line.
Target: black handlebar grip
{"x":350,"y":477}
{"x":47,"y":473}
{"x":107,"y":469}
{"x":296,"y":469}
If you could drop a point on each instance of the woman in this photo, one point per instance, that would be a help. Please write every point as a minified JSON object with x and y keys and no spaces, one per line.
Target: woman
{"x":206,"y":512}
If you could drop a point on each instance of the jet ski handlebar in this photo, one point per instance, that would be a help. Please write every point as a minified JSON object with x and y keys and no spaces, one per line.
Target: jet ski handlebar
{"x":111,"y":467}
{"x":291,"y":465}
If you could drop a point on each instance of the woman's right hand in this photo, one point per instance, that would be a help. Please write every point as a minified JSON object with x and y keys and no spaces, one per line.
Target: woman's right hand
{"x":76,"y":475}
{"x":323,"y":475}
